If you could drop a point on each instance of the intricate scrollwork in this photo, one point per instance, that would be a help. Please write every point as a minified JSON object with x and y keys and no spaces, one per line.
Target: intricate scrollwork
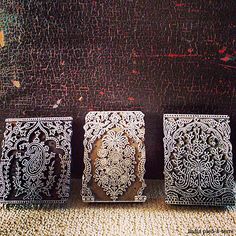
{"x":198,"y":160}
{"x":36,"y":160}
{"x":114,"y":167}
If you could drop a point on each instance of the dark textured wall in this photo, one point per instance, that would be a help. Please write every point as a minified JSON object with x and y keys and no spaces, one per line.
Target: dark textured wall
{"x":65,"y":58}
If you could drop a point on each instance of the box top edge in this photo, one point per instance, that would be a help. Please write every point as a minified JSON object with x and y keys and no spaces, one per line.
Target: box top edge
{"x":39,"y":119}
{"x":196,"y":115}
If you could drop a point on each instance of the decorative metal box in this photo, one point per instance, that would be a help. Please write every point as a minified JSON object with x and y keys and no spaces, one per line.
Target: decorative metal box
{"x":198,"y":160}
{"x":114,"y":157}
{"x":35,"y":162}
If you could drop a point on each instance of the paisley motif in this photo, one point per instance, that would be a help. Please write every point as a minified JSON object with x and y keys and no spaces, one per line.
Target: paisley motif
{"x":36,"y":162}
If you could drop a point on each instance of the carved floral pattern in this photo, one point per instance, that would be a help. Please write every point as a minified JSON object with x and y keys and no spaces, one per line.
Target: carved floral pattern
{"x":115,"y":162}
{"x":114,"y":169}
{"x":198,"y":160}
{"x":31,"y":149}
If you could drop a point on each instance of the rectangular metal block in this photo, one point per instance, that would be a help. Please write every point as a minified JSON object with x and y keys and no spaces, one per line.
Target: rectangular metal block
{"x":114,"y":157}
{"x":35,"y":162}
{"x":198,"y":160}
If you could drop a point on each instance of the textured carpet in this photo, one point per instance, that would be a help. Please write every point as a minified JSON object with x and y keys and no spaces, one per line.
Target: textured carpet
{"x":151,"y":218}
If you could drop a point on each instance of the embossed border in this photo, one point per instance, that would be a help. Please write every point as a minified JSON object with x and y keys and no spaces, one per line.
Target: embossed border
{"x":39,"y":119}
{"x":86,"y":192}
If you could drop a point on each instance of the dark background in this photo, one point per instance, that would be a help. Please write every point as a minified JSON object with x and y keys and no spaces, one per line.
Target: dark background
{"x":65,"y":58}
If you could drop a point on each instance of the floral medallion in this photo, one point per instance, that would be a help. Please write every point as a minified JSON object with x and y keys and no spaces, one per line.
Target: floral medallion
{"x":114,"y":157}
{"x":114,"y":167}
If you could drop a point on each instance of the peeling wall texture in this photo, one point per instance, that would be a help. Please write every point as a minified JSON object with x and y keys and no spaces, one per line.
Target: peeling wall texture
{"x":65,"y":58}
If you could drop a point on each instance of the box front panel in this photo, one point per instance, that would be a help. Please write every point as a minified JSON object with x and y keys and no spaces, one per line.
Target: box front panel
{"x":114,"y":157}
{"x":35,"y":161}
{"x":198,"y":160}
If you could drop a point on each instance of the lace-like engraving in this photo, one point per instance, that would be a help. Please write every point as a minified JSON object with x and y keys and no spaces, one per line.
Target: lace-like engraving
{"x":198,"y":160}
{"x":36,"y":160}
{"x":114,"y":166}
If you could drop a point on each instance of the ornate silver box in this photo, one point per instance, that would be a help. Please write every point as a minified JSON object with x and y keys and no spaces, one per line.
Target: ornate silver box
{"x":35,"y":162}
{"x":114,"y":157}
{"x":198,"y":160}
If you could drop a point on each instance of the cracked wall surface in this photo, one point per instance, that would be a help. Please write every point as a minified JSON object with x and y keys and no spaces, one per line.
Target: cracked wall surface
{"x":66,"y":58}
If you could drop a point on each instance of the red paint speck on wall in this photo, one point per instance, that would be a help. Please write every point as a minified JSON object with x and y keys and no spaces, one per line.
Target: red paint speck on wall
{"x":135,"y":72}
{"x":180,"y":4}
{"x":190,"y":50}
{"x":131,"y":98}
{"x":226,"y":58}
{"x":172,"y":55}
{"x":221,"y":51}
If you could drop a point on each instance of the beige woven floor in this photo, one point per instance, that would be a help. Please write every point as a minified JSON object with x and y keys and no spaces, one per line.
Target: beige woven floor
{"x":151,"y":218}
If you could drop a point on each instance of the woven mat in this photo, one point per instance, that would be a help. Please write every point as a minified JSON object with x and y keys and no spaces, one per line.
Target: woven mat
{"x":151,"y":218}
